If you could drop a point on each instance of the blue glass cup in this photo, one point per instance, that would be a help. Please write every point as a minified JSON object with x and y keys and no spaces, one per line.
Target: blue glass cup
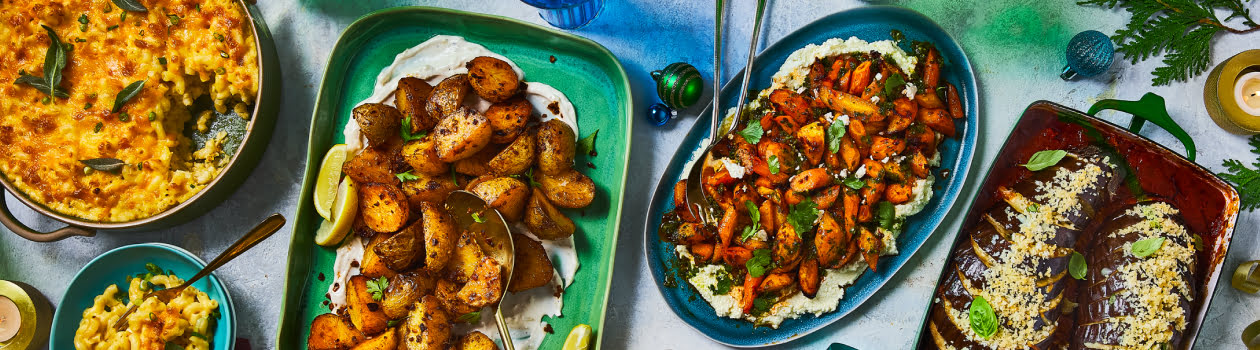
{"x":567,"y":14}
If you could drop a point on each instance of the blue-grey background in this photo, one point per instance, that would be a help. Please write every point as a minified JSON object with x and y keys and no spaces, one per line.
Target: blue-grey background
{"x":1015,"y":45}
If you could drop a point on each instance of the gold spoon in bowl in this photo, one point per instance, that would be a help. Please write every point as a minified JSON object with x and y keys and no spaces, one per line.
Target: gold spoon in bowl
{"x":473,"y":214}
{"x":251,"y":239}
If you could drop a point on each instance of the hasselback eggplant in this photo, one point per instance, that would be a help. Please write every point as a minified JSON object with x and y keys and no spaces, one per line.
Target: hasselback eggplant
{"x":1017,"y":258}
{"x":1139,"y":284}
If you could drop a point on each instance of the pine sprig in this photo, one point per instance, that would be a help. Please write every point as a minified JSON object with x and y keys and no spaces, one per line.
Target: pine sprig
{"x":1182,"y":30}
{"x":1245,"y":179}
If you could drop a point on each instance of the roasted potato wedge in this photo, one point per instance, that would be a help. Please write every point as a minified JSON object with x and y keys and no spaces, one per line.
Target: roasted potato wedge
{"x":569,"y":189}
{"x":384,"y":207}
{"x":448,"y":293}
{"x":421,"y":155}
{"x":428,"y":325}
{"x":485,"y":286}
{"x":411,"y":97}
{"x":388,"y":340}
{"x":372,"y":265}
{"x":332,"y":332}
{"x":428,"y":189}
{"x":544,"y":220}
{"x":461,"y":134}
{"x":556,"y":147}
{"x":493,"y":79}
{"x":508,"y":118}
{"x":403,"y":249}
{"x":467,"y":256}
{"x":378,"y":122}
{"x":505,"y":194}
{"x":533,"y":267}
{"x":403,"y":292}
{"x":516,"y":158}
{"x":365,"y":313}
{"x":447,"y":97}
{"x":370,"y":166}
{"x":440,"y":233}
{"x":476,"y":341}
{"x":479,"y":163}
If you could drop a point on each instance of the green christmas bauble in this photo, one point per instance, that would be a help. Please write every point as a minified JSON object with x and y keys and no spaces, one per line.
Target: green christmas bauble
{"x":679,"y":85}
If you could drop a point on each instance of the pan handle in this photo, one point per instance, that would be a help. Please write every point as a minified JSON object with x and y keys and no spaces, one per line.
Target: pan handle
{"x":1149,"y":108}
{"x":7,"y":218}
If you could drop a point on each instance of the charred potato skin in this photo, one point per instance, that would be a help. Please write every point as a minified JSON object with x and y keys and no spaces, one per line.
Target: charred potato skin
{"x":485,"y":286}
{"x":447,"y":293}
{"x":516,"y":158}
{"x":332,"y":332}
{"x":373,"y":266}
{"x":556,"y":147}
{"x":370,"y":166}
{"x":569,"y":189}
{"x":479,"y":163}
{"x":440,"y":234}
{"x":508,"y":118}
{"x":421,"y":155}
{"x":384,"y":207}
{"x":365,"y":313}
{"x":386,"y":341}
{"x":428,"y":325}
{"x":411,"y":97}
{"x":403,"y":292}
{"x":401,"y":250}
{"x":378,"y":122}
{"x":476,"y":341}
{"x":544,"y":220}
{"x":507,"y":195}
{"x":461,"y":135}
{"x":493,"y":79}
{"x":532,"y":266}
{"x":428,"y":189}
{"x":447,"y":97}
{"x":465,"y":258}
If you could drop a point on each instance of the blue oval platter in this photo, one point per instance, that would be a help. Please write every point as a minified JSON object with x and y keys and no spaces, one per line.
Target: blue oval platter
{"x":870,"y":24}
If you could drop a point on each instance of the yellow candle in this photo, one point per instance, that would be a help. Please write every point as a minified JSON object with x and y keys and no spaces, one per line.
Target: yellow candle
{"x":10,"y":319}
{"x":1247,"y":93}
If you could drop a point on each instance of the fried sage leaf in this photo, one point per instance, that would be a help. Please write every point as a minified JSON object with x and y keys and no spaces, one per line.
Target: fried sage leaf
{"x":109,"y":165}
{"x":54,"y":60}
{"x":39,"y":84}
{"x":127,"y":94}
{"x":131,"y":5}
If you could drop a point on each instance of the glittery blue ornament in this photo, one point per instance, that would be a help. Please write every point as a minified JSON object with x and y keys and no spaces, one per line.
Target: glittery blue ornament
{"x":659,"y":114}
{"x":1088,"y":54}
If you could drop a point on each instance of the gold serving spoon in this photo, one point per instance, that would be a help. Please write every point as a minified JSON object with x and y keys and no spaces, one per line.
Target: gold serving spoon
{"x":255,"y":235}
{"x":473,"y":214}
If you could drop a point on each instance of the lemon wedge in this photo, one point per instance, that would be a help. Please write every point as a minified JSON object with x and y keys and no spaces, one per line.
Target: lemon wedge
{"x":344,"y":208}
{"x":326,"y":182}
{"x":579,"y":338}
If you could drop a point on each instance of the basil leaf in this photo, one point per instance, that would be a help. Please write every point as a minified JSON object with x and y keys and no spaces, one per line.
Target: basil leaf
{"x":54,"y":60}
{"x":752,"y":133}
{"x":1198,"y":242}
{"x":983,"y":320}
{"x":1077,"y":266}
{"x":109,"y":165}
{"x":1034,"y":207}
{"x":127,"y":94}
{"x":131,"y":5}
{"x":759,"y":263}
{"x":1044,"y":159}
{"x":587,"y":144}
{"x":39,"y":84}
{"x":854,"y":183}
{"x":835,"y":134}
{"x":773,"y":163}
{"x":1146,"y":247}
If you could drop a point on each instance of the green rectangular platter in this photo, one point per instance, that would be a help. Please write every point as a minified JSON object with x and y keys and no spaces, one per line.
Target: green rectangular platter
{"x":586,"y":72}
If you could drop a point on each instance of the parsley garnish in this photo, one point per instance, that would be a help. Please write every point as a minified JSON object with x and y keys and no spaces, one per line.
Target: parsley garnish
{"x":755,"y":216}
{"x":405,"y":131}
{"x":773,"y":163}
{"x":377,"y":287}
{"x":803,"y":215}
{"x":854,"y":183}
{"x":407,"y":176}
{"x":759,"y":263}
{"x":477,"y":217}
{"x":752,"y":133}
{"x":723,"y":285}
{"x":528,"y":176}
{"x":1245,"y":179}
{"x":762,"y":304}
{"x":392,"y":323}
{"x":835,"y":134}
{"x":887,"y":215}
{"x":893,"y":85}
{"x":587,"y":144}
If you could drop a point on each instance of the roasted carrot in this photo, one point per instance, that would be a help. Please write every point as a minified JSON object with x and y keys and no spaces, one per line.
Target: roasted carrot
{"x":870,"y":246}
{"x":813,"y":141}
{"x":751,"y":284}
{"x":831,"y":240}
{"x":811,"y":179}
{"x":826,"y":198}
{"x":792,"y":104}
{"x":787,"y":123}
{"x":928,"y":99}
{"x":857,"y":131}
{"x":777,"y":281}
{"x":791,"y":197}
{"x":898,"y":193}
{"x":861,"y":78}
{"x":921,"y":138}
{"x":952,"y":100}
{"x":850,"y":153}
{"x":702,"y":251}
{"x":885,"y":147}
{"x":736,"y":255}
{"x":919,"y":165}
{"x":808,"y":278}
{"x":846,"y":104}
{"x":766,"y":213}
{"x":937,"y":119}
{"x":932,"y":70}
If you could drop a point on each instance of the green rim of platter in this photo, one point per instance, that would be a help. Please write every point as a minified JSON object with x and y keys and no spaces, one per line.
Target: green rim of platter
{"x":585,"y":71}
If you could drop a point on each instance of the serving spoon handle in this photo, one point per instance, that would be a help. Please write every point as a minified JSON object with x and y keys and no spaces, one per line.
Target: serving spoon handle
{"x":717,"y":70}
{"x":752,"y":52}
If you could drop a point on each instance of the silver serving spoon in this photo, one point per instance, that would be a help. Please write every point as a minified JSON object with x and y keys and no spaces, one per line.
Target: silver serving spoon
{"x":251,"y":239}
{"x":473,"y":214}
{"x":697,"y":201}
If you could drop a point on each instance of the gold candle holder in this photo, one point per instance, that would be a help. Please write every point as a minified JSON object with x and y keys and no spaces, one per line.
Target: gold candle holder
{"x":33,"y":317}
{"x":1232,"y":93}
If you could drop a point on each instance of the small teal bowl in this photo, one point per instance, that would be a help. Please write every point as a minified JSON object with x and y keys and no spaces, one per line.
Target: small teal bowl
{"x":113,"y":268}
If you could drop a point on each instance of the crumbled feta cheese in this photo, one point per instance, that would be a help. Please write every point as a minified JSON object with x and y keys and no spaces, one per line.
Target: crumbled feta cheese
{"x":910,"y":90}
{"x":801,"y":90}
{"x":879,"y":76}
{"x":861,"y":171}
{"x":844,"y":119}
{"x":885,"y":160}
{"x":875,"y":99}
{"x":830,"y":118}
{"x":844,"y":173}
{"x":737,"y":171}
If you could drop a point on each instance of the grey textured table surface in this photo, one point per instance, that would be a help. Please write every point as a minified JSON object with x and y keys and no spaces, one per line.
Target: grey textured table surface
{"x":1016,"y":47}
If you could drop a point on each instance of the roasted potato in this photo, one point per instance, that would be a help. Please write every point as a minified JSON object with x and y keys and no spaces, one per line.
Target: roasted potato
{"x":508,"y":118}
{"x":365,"y":313}
{"x":556,"y":147}
{"x":370,"y":166}
{"x":410,"y":97}
{"x":386,"y":341}
{"x":332,"y":332}
{"x":461,"y":134}
{"x":440,"y":233}
{"x":447,"y":97}
{"x":403,"y":249}
{"x":493,"y":79}
{"x":421,"y":155}
{"x":485,"y":286}
{"x":403,"y":292}
{"x":569,"y":189}
{"x":479,"y":163}
{"x":428,"y":325}
{"x":516,"y":158}
{"x":476,"y":341}
{"x":428,"y":189}
{"x":505,"y":194}
{"x":384,"y":207}
{"x":448,"y":293}
{"x":378,"y":122}
{"x":544,"y":220}
{"x":533,"y":267}
{"x":372,"y":265}
{"x":467,"y":256}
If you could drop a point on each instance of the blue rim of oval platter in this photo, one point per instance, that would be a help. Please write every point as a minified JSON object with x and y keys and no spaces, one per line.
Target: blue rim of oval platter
{"x":186,"y":264}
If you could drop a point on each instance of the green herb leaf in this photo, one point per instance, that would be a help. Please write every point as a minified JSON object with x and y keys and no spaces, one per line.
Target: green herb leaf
{"x":723,"y":285}
{"x":39,"y":84}
{"x":528,"y":176}
{"x":127,"y":94}
{"x":1198,"y":242}
{"x":1034,"y":207}
{"x":1146,"y":247}
{"x":752,"y":133}
{"x":854,"y":183}
{"x":174,"y":20}
{"x":98,"y":127}
{"x":131,"y":5}
{"x":198,"y":335}
{"x":587,"y":144}
{"x":154,"y":269}
{"x":172,"y":346}
{"x":471,"y":317}
{"x":377,"y":287}
{"x":477,"y":217}
{"x":111,"y":28}
{"x":983,"y":320}
{"x":835,"y":134}
{"x":1044,"y":159}
{"x":773,"y":163}
{"x":887,"y":215}
{"x":893,"y":85}
{"x":109,"y":165}
{"x":763,"y":304}
{"x":1246,"y":180}
{"x":54,"y":60}
{"x":759,"y":263}
{"x":404,"y":130}
{"x":1111,"y":299}
{"x":407,"y":176}
{"x":803,"y":215}
{"x":1077,"y":266}
{"x":754,"y":215}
